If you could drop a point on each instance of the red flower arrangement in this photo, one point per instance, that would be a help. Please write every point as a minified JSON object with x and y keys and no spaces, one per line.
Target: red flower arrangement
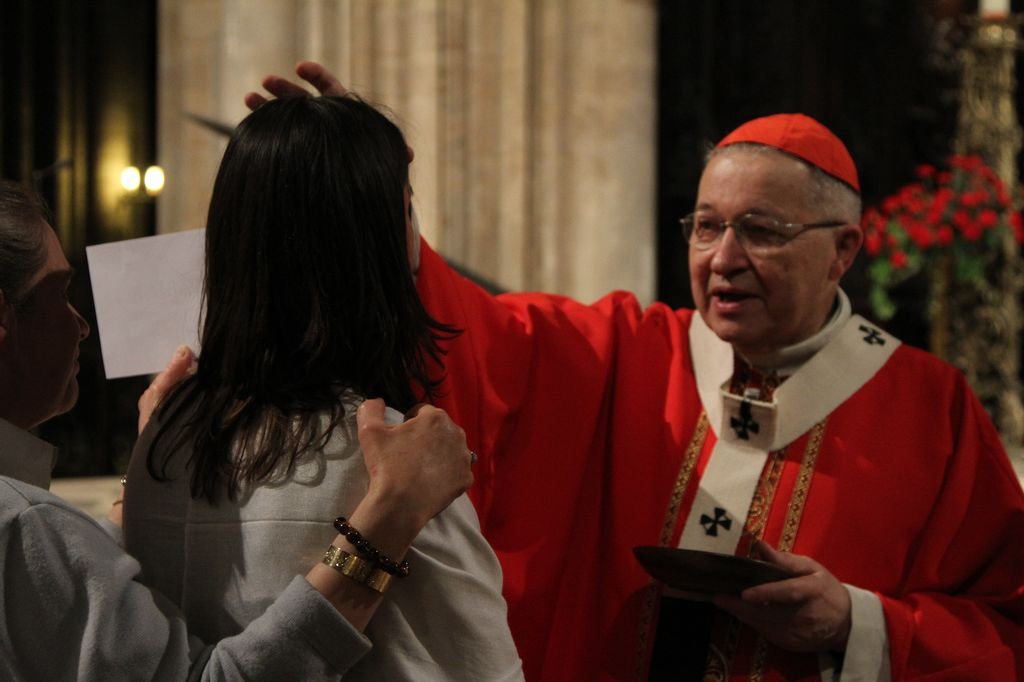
{"x":953,"y":219}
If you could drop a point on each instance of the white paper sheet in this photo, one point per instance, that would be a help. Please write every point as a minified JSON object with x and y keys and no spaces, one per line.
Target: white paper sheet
{"x":148,"y":294}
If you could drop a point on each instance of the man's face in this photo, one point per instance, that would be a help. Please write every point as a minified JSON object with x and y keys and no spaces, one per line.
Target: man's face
{"x":39,"y":349}
{"x":762,"y":304}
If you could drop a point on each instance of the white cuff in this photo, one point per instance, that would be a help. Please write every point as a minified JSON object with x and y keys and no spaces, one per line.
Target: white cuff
{"x":867,"y":649}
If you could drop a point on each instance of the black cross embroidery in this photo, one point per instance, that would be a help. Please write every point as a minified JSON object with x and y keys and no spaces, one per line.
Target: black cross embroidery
{"x":711,"y":524}
{"x":874,"y":337}
{"x":745,"y":423}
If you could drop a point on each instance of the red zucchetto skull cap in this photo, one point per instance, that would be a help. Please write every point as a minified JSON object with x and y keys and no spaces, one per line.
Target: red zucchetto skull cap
{"x":802,"y":137}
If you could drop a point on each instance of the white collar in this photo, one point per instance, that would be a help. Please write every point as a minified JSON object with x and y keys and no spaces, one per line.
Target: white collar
{"x":789,"y":359}
{"x":853,"y":351}
{"x":25,"y":457}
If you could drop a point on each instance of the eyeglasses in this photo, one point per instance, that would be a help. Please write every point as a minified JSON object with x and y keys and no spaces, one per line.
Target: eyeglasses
{"x":758,"y":234}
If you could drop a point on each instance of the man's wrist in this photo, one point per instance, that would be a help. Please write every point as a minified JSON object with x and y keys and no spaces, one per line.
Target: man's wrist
{"x":837,"y":644}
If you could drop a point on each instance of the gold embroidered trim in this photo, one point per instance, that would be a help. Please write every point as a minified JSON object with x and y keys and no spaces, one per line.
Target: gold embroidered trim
{"x":683,"y":480}
{"x":719,"y":661}
{"x":717,"y":668}
{"x":803,"y":484}
{"x":764,"y":495}
{"x":720,"y":658}
{"x":671,"y":513}
{"x":760,"y":654}
{"x":793,"y":515}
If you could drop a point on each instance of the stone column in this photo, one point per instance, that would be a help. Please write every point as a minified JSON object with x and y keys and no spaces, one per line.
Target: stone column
{"x":533,"y":121}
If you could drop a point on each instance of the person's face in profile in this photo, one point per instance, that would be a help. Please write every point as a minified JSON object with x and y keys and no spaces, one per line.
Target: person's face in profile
{"x":39,"y":343}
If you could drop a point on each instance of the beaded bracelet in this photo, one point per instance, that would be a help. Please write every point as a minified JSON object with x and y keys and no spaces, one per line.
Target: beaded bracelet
{"x":368,"y":551}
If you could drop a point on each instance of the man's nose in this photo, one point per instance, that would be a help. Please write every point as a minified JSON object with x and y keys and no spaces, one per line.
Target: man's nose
{"x":730,"y":255}
{"x":83,"y":326}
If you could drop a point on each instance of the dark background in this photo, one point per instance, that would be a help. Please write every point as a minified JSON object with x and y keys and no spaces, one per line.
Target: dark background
{"x":882,"y":74}
{"x":73,"y":75}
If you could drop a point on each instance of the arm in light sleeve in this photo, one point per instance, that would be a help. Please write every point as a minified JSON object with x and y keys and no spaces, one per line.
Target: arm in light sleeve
{"x":961,"y":612}
{"x":74,"y":609}
{"x":113,"y":530}
{"x":299,"y":636}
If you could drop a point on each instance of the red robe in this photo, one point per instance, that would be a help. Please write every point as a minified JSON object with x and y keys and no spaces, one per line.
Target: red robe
{"x":592,"y":440}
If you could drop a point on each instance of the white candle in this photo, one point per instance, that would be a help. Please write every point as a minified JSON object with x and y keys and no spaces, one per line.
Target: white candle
{"x":994,"y":9}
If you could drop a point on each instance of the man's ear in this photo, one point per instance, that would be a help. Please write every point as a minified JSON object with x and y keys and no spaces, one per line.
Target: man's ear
{"x":848,"y":242}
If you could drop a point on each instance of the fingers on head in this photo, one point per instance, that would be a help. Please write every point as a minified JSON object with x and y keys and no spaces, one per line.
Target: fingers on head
{"x":282,"y":87}
{"x":272,"y":82}
{"x":306,"y":68}
{"x":320,"y":78}
{"x":254,"y":100}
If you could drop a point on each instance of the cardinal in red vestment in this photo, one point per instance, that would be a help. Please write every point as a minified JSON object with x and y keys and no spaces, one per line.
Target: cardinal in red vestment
{"x":770,"y":423}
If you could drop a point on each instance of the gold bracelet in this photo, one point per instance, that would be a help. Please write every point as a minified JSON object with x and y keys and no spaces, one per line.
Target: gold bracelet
{"x":358,"y":569}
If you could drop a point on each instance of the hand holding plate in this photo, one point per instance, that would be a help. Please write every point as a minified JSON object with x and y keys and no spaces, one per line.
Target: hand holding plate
{"x":808,"y":612}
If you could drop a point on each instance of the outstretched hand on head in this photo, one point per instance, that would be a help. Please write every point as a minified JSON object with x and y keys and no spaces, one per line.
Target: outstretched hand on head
{"x":314,"y":73}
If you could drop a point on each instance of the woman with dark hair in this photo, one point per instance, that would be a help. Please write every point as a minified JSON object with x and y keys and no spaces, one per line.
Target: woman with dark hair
{"x":74,"y":606}
{"x":311,"y":307}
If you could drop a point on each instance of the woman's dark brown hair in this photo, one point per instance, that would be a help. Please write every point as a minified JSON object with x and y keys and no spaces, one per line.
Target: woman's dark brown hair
{"x":308,"y":291}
